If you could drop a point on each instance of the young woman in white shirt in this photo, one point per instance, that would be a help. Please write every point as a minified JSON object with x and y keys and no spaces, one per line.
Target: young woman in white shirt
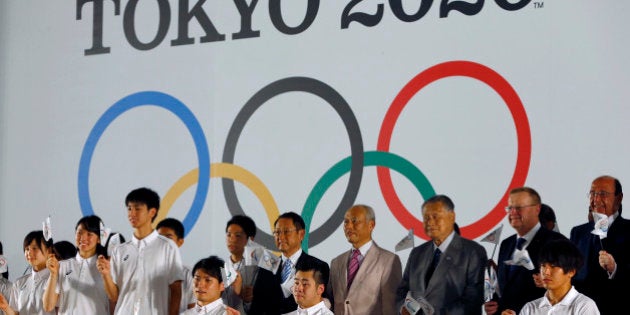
{"x":75,"y":285}
{"x":27,"y":291}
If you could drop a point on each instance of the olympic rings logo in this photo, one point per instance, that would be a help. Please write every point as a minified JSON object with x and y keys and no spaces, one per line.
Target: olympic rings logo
{"x":354,"y":164}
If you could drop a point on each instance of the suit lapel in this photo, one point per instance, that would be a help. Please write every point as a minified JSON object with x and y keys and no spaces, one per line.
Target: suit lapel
{"x":445,"y":264}
{"x":370,"y":258}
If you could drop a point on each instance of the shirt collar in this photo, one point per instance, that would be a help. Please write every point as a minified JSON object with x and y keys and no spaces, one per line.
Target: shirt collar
{"x":567,"y":300}
{"x":39,"y":275}
{"x":311,"y":310}
{"x":88,"y":260}
{"x":529,"y":236}
{"x":446,"y":242}
{"x":293,"y":258}
{"x":365,"y":247}
{"x":202,"y":309}
{"x":145,"y":241}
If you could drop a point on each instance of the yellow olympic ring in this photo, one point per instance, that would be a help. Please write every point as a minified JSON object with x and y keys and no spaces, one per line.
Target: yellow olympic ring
{"x":221,"y":170}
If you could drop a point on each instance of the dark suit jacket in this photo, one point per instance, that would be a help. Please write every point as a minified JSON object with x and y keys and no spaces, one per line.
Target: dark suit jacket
{"x":456,"y":286}
{"x":592,"y":280}
{"x":518,"y":287}
{"x":288,"y":304}
{"x":373,"y":290}
{"x":265,"y":295}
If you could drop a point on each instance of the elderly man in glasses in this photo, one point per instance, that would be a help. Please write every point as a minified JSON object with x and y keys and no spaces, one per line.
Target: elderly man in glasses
{"x":518,"y":255}
{"x":604,"y":275}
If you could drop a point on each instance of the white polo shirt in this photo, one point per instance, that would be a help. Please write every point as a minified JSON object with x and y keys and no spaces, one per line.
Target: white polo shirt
{"x":80,"y":288}
{"x":28,"y":292}
{"x":317,"y":309}
{"x":143,"y":270}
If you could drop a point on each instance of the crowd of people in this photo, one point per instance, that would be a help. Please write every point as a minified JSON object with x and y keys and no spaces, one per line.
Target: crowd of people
{"x":539,"y":270}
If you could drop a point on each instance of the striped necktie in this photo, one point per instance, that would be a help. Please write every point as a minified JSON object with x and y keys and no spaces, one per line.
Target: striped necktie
{"x":286,"y":270}
{"x":353,"y":266}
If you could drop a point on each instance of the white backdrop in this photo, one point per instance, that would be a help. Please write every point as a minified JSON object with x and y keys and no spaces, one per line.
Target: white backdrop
{"x":565,"y":60}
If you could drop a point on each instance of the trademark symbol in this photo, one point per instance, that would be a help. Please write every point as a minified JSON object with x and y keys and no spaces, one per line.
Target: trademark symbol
{"x":539,"y":5}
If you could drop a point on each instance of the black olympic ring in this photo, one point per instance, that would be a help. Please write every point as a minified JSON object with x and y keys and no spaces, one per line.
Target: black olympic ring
{"x":326,"y":92}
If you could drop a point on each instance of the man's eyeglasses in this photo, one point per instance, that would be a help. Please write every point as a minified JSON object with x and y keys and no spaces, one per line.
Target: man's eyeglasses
{"x":283,"y":232}
{"x":517,"y":208}
{"x":601,"y":194}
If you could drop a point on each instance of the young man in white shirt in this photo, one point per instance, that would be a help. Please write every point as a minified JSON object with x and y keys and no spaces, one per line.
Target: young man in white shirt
{"x":309,"y":284}
{"x":173,"y":229}
{"x":559,"y":262}
{"x":144,"y":275}
{"x":208,"y":287}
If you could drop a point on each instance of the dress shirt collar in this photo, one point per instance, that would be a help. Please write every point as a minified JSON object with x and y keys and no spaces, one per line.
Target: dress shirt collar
{"x":365,"y":247}
{"x":446,"y":242}
{"x":293,"y":258}
{"x":529,"y":236}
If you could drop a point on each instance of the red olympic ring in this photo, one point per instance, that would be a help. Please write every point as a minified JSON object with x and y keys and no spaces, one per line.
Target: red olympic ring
{"x":511,"y":99}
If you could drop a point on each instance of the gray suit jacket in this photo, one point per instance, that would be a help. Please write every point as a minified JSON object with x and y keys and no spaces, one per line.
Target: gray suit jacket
{"x":373,"y":290}
{"x":456,"y":286}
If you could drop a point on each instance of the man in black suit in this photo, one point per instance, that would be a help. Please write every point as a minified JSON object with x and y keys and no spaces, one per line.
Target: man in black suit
{"x":288,"y":235}
{"x":519,"y":284}
{"x":604,"y":275}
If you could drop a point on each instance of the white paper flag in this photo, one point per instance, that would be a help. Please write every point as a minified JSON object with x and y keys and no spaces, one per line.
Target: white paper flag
{"x":269,"y":261}
{"x":4,"y":265}
{"x":406,"y":242}
{"x":601,"y":225}
{"x":47,"y":229}
{"x":521,"y":258}
{"x":229,"y":274}
{"x":105,"y":231}
{"x":491,"y":284}
{"x":494,"y":237}
{"x":415,"y":304}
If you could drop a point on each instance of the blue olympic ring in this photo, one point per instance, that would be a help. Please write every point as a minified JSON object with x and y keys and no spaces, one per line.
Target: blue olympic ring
{"x":176,"y":107}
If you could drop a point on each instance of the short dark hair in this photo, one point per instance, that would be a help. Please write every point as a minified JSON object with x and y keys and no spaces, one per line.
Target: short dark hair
{"x":562,"y":253}
{"x":320,"y":269}
{"x":546,"y":213}
{"x":174,"y":225}
{"x":212,"y":266}
{"x":246,"y":223}
{"x":92,"y":223}
{"x":38,"y":237}
{"x":531,"y":191}
{"x":296,"y":218}
{"x":443,"y":199}
{"x":145,"y":196}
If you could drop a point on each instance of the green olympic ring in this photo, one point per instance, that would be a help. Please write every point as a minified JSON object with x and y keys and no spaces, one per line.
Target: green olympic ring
{"x":372,"y":158}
